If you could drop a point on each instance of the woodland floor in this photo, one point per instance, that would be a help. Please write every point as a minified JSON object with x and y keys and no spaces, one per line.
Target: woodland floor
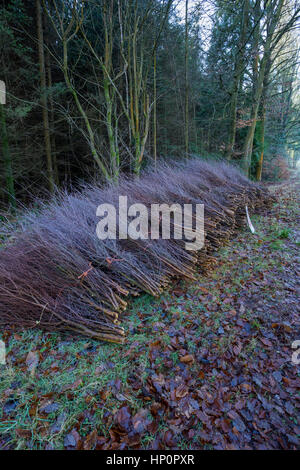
{"x":206,"y":366}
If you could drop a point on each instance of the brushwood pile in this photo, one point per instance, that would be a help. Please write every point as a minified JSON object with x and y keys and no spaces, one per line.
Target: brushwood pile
{"x":56,"y":274}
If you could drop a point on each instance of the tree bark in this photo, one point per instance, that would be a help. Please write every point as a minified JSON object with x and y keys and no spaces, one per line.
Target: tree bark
{"x":52,"y":130}
{"x":186,"y":111}
{"x":261,"y":144}
{"x":239,"y":66}
{"x":259,"y":77}
{"x":154,"y":111}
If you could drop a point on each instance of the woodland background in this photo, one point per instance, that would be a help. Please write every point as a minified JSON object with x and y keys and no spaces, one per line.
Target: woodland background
{"x":100,"y":87}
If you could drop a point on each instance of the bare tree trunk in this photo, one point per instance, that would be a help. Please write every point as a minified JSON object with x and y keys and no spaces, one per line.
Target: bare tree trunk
{"x":91,"y":136}
{"x":52,"y":133}
{"x":239,"y":66}
{"x":263,"y":119}
{"x":7,"y":159}
{"x":262,"y":144}
{"x":273,"y":16}
{"x":154,"y":112}
{"x":44,"y":97}
{"x":294,"y":160}
{"x":109,"y":92}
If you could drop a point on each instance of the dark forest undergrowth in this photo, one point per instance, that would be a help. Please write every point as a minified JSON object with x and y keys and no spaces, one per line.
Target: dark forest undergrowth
{"x":208,"y":365}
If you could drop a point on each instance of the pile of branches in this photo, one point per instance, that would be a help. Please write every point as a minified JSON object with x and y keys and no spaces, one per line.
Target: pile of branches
{"x":57,"y":275}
